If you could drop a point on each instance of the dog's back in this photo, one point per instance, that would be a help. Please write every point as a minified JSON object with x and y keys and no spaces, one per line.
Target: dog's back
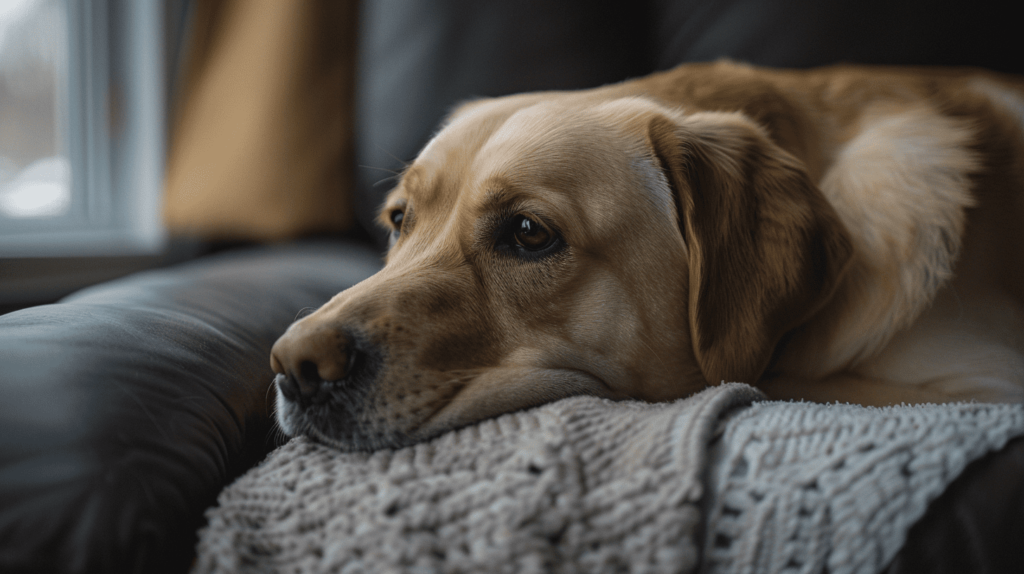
{"x":926,"y":170}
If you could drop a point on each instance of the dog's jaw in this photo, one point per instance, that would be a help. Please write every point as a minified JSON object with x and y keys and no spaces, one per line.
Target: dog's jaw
{"x":341,"y":420}
{"x":362,"y":421}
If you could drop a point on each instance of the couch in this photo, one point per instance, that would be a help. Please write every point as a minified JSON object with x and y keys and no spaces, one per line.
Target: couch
{"x":126,"y":408}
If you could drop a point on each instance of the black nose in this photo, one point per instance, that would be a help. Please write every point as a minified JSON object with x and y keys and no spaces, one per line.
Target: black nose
{"x":308,"y":357}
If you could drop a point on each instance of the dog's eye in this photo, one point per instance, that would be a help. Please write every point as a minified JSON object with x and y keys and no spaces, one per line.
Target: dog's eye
{"x":396,"y":218}
{"x":528,"y":237}
{"x":530,"y":234}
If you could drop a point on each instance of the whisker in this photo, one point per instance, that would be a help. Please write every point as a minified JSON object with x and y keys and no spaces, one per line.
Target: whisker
{"x":275,"y":435}
{"x":304,"y":312}
{"x":391,"y":171}
{"x":405,"y":164}
{"x":395,"y":177}
{"x":270,"y":389}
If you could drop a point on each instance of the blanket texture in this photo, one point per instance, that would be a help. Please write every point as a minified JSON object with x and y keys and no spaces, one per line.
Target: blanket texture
{"x":589,"y":485}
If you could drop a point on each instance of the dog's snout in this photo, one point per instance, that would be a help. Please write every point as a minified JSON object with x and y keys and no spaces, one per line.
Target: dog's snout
{"x":289,"y":387}
{"x":306,"y":357}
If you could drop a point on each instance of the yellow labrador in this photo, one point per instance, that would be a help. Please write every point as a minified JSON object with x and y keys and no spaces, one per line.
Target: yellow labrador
{"x":847,"y":233}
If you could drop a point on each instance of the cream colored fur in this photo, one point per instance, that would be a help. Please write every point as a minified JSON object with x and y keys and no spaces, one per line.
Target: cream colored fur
{"x":901,"y":187}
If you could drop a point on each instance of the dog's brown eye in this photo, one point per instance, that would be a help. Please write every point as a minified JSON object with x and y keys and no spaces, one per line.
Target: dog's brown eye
{"x":530,"y":234}
{"x":396,"y":218}
{"x":527,"y":237}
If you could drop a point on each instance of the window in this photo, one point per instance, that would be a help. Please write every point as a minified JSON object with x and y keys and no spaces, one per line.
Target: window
{"x":82,"y":127}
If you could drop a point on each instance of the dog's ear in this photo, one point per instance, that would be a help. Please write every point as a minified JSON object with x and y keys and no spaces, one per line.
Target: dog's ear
{"x":765,"y":247}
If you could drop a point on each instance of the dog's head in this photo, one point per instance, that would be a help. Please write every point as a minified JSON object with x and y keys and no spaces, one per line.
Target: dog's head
{"x":545,"y":246}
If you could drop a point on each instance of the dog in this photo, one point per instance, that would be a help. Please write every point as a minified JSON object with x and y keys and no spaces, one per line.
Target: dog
{"x":845,"y":234}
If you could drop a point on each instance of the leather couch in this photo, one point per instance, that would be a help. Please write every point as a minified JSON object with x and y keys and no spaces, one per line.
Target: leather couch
{"x":126,"y":407}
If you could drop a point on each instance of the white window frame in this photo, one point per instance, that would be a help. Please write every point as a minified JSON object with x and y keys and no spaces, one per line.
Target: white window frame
{"x":116,"y":137}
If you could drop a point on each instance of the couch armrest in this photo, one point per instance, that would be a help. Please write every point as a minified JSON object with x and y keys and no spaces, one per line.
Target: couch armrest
{"x":977,"y":525}
{"x":128,"y":406}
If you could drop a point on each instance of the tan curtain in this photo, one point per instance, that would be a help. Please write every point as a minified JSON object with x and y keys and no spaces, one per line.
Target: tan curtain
{"x":261,"y":144}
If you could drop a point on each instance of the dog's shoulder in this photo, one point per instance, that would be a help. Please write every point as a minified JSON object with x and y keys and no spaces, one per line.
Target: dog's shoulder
{"x":917,"y":160}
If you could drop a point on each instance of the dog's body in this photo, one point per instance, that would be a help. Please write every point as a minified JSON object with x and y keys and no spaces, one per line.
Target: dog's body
{"x":852,"y":234}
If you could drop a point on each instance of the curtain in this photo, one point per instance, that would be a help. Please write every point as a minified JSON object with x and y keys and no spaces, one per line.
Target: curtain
{"x":261,"y":145}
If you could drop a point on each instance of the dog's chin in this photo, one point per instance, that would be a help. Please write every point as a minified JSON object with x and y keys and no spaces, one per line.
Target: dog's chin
{"x":342,"y":423}
{"x":508,"y":389}
{"x":364,"y":424}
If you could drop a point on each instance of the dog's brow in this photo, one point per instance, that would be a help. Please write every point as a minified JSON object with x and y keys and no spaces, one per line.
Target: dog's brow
{"x":498,"y":192}
{"x":412,"y":179}
{"x":501,"y":195}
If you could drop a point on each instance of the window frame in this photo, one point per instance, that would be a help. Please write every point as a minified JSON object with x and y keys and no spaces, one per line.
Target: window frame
{"x":115,"y":140}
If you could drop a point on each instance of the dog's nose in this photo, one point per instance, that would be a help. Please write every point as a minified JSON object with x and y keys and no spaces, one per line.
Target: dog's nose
{"x":307,"y":356}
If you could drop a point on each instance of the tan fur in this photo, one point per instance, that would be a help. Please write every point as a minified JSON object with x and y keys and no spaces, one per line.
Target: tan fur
{"x":834,"y":234}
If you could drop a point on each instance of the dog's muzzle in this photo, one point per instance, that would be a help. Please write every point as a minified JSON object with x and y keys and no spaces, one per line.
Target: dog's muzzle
{"x":325,"y":378}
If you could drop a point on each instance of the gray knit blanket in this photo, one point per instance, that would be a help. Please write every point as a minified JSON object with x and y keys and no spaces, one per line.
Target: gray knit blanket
{"x":718,"y":482}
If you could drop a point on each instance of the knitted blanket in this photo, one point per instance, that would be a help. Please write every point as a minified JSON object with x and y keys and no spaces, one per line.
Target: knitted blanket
{"x":589,"y":485}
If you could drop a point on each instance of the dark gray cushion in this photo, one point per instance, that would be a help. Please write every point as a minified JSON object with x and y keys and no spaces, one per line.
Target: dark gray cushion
{"x":803,"y":33}
{"x":125,"y":408}
{"x":976,"y":526}
{"x":419,"y":58}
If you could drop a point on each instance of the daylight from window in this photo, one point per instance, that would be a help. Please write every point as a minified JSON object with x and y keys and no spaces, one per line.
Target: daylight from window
{"x":35,"y":174}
